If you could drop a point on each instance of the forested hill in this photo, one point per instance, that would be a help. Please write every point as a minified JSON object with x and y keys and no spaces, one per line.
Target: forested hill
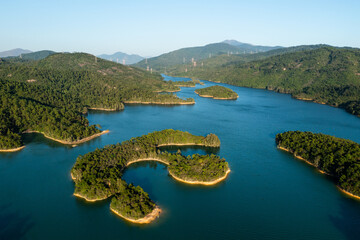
{"x":327,"y":75}
{"x":177,"y":57}
{"x":221,"y":60}
{"x":50,"y":95}
{"x":120,"y":57}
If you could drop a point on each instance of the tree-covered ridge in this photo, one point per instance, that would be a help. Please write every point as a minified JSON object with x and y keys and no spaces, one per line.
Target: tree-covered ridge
{"x":97,"y":174}
{"x":65,"y":86}
{"x":21,"y":114}
{"x":335,"y":156}
{"x":188,"y":69}
{"x":326,"y":75}
{"x":97,"y":83}
{"x":217,"y":92}
{"x":188,"y":55}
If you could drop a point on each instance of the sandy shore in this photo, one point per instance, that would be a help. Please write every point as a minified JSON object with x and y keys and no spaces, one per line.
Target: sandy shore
{"x":169,"y":91}
{"x":303,"y":159}
{"x":342,"y":190}
{"x":304,"y":99}
{"x":217,"y":98}
{"x":147,"y":219}
{"x":70,"y":143}
{"x":147,"y":159}
{"x":104,"y":109}
{"x":202,"y":182}
{"x":181,"y":144}
{"x":12,"y":149}
{"x":160,"y":103}
{"x":177,"y":178}
{"x":89,"y":200}
{"x":179,"y":85}
{"x":348,"y":193}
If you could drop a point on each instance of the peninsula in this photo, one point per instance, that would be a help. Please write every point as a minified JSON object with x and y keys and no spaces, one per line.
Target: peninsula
{"x":52,"y":95}
{"x":97,"y":175}
{"x":217,"y":92}
{"x":336,"y":157}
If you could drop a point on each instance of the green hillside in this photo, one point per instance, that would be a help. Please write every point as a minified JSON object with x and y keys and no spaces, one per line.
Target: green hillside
{"x":221,"y":60}
{"x":177,"y":57}
{"x":326,"y":75}
{"x":57,"y":90}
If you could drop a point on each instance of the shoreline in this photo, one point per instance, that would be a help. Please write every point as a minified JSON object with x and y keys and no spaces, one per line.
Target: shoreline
{"x":181,"y":144}
{"x":303,"y":159}
{"x":201,"y":182}
{"x":12,"y":149}
{"x":159,"y":103}
{"x":67,"y":142}
{"x":145,"y":220}
{"x":88,"y":200}
{"x":177,"y":178}
{"x":264,"y":88}
{"x":147,"y":160}
{"x":217,"y":98}
{"x":169,"y":91}
{"x":185,"y":85}
{"x":340,"y":189}
{"x":348,"y":193}
{"x":105,"y":109}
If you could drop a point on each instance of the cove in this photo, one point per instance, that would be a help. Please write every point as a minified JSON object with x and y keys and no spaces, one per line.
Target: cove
{"x":268,"y":195}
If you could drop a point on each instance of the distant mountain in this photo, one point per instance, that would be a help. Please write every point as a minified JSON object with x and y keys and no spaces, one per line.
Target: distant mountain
{"x":187,"y":55}
{"x":121,"y":57}
{"x":224,"y":59}
{"x":249,"y":48}
{"x":37,"y":55}
{"x":14,"y":52}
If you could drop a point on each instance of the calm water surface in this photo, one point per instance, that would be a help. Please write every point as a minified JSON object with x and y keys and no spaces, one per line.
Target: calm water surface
{"x":268,"y":195}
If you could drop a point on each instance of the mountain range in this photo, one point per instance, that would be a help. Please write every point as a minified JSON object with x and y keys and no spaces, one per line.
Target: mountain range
{"x":122,"y":58}
{"x":194,"y":54}
{"x":14,"y":52}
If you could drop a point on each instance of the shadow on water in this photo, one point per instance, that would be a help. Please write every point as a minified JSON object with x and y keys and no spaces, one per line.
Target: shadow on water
{"x":38,"y":138}
{"x":13,"y":225}
{"x":143,"y":180}
{"x":348,"y":220}
{"x":189,"y":150}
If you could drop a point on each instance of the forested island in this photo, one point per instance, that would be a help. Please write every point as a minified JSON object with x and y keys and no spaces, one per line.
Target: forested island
{"x":53,"y":94}
{"x":97,"y":175}
{"x":337,"y":157}
{"x":319,"y":73}
{"x":217,"y":92}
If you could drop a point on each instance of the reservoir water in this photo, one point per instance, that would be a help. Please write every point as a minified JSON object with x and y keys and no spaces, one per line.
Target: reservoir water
{"x":268,"y":195}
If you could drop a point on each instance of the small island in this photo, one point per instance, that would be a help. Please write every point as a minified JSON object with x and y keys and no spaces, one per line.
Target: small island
{"x":336,"y":157}
{"x":217,"y":92}
{"x":97,"y":175}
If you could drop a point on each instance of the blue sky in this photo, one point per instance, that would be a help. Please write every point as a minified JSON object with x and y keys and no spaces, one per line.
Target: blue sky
{"x":150,"y":28}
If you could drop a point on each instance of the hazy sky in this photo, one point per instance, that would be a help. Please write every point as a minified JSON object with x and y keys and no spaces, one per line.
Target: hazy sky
{"x":150,"y":28}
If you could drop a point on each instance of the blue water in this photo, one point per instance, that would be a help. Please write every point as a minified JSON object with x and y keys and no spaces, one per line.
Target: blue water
{"x":268,"y":195}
